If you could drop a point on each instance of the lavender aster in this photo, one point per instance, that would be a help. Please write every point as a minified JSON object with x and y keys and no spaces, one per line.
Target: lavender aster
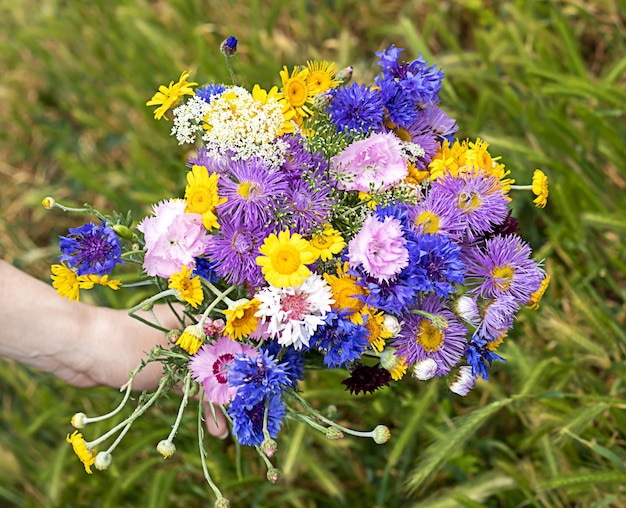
{"x":91,"y":249}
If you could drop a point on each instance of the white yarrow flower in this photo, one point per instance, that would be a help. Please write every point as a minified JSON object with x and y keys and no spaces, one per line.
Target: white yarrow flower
{"x":292,"y":314}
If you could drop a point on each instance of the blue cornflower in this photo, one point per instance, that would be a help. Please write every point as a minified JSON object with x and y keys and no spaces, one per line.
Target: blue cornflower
{"x":340,"y":340}
{"x":207,"y":92}
{"x":389,"y":57}
{"x":435,"y":263}
{"x":91,"y":249}
{"x":257,"y":377}
{"x":248,"y":419}
{"x":206,"y":268}
{"x":292,"y":360}
{"x":478,"y":356}
{"x":228,"y":47}
{"x":356,"y":107}
{"x":398,"y":211}
{"x":400,"y":105}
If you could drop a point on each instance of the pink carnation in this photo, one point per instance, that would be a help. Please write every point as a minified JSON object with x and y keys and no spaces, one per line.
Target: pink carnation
{"x":173,"y":238}
{"x":379,"y":248}
{"x":375,"y":163}
{"x":209,"y":366}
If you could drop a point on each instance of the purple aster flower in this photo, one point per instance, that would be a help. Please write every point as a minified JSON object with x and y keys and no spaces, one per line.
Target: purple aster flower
{"x":212,"y":163}
{"x":419,"y":338}
{"x":298,"y":159}
{"x":366,"y":379}
{"x":248,"y":419}
{"x":340,"y":340}
{"x":436,"y":214}
{"x":435,"y":264}
{"x":503,"y":267}
{"x":205,"y":268}
{"x":249,"y":187}
{"x":480,"y":199}
{"x":91,"y":249}
{"x":497,"y":317}
{"x":234,"y":250}
{"x":356,"y":107}
{"x":292,"y":361}
{"x":257,"y":377}
{"x":479,"y":356}
{"x":207,"y":92}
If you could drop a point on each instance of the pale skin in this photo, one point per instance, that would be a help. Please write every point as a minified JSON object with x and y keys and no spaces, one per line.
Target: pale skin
{"x":82,"y":344}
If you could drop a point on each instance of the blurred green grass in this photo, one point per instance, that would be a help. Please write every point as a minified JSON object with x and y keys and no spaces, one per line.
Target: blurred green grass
{"x":542,"y":81}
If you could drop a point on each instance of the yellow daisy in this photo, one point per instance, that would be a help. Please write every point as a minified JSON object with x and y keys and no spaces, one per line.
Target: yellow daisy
{"x":167,"y":96}
{"x":103,"y":280}
{"x":66,"y":282}
{"x":284,"y":259}
{"x":327,"y":243}
{"x":201,"y":195}
{"x":188,"y":288}
{"x":297,"y":92}
{"x":322,"y":75}
{"x":191,"y":339}
{"x":536,"y":297}
{"x":345,"y":292}
{"x":86,"y":456}
{"x":540,"y":188}
{"x":377,"y":331}
{"x":240,"y":318}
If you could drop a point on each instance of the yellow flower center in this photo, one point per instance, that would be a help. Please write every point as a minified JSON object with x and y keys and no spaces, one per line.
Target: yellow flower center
{"x":246,"y":316}
{"x":199,"y":200}
{"x":428,"y":221}
{"x":248,"y":190}
{"x":296,"y":91}
{"x":469,"y":201}
{"x":286,"y":259}
{"x":503,"y":276}
{"x":344,"y":292}
{"x":320,"y":80}
{"x":429,"y":337}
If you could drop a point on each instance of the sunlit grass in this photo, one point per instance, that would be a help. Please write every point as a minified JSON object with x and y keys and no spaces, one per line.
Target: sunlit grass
{"x":543,"y":82}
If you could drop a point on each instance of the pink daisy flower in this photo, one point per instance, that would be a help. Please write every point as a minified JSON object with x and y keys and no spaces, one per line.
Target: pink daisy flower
{"x":209,"y":366}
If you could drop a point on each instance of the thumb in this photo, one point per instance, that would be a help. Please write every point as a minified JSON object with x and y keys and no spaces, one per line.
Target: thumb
{"x":217,"y":425}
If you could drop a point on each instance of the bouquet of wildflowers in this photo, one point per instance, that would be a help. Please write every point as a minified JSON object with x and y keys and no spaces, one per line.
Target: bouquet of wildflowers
{"x":324,"y":223}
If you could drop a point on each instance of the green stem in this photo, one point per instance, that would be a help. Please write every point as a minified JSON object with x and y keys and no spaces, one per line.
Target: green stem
{"x":205,"y":470}
{"x":522,"y":187}
{"x":220,"y":296}
{"x":181,"y":409}
{"x":149,"y":302}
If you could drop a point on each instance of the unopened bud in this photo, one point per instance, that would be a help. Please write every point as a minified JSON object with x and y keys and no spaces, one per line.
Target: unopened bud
{"x":269,"y":447}
{"x":229,"y":46}
{"x":194,"y":388}
{"x":273,"y":474}
{"x":103,"y":461}
{"x":381,"y":434}
{"x":78,"y":420}
{"x":173,"y":336}
{"x":440,"y":322}
{"x":392,"y":324}
{"x":123,"y":232}
{"x":333,"y":434}
{"x":222,"y":502}
{"x":48,"y":202}
{"x":166,"y":448}
{"x":425,"y":369}
{"x":345,"y":75}
{"x":464,"y":381}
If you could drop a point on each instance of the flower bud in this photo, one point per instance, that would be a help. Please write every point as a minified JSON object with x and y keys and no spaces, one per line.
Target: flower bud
{"x":467,"y":309}
{"x":103,"y":461}
{"x":345,"y":75}
{"x":333,"y":434}
{"x":392,"y":324}
{"x":123,"y":232}
{"x":425,"y":369}
{"x":464,"y":381}
{"x":173,"y":336}
{"x":222,"y":502}
{"x":269,"y":447}
{"x":48,"y":202}
{"x":381,"y":434}
{"x":78,"y":420}
{"x":228,"y":47}
{"x":273,"y":474}
{"x":166,"y":448}
{"x":194,"y":388}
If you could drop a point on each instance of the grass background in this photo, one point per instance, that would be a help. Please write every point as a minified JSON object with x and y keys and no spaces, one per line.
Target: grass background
{"x":542,"y":81}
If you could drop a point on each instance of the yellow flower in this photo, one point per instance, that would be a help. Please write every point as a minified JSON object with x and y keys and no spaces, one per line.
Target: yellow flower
{"x":103,"y":280}
{"x":191,"y":339}
{"x":86,"y":456}
{"x":201,"y":195}
{"x":66,"y":282}
{"x":395,"y":365}
{"x":167,"y":96}
{"x":427,"y":222}
{"x":284,"y":259}
{"x":322,"y":75}
{"x":415,"y":176}
{"x":540,"y":188}
{"x":377,"y":331}
{"x":240,"y":318}
{"x":536,"y":297}
{"x":327,"y":243}
{"x":297,"y":92}
{"x":188,"y":288}
{"x":346,"y":291}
